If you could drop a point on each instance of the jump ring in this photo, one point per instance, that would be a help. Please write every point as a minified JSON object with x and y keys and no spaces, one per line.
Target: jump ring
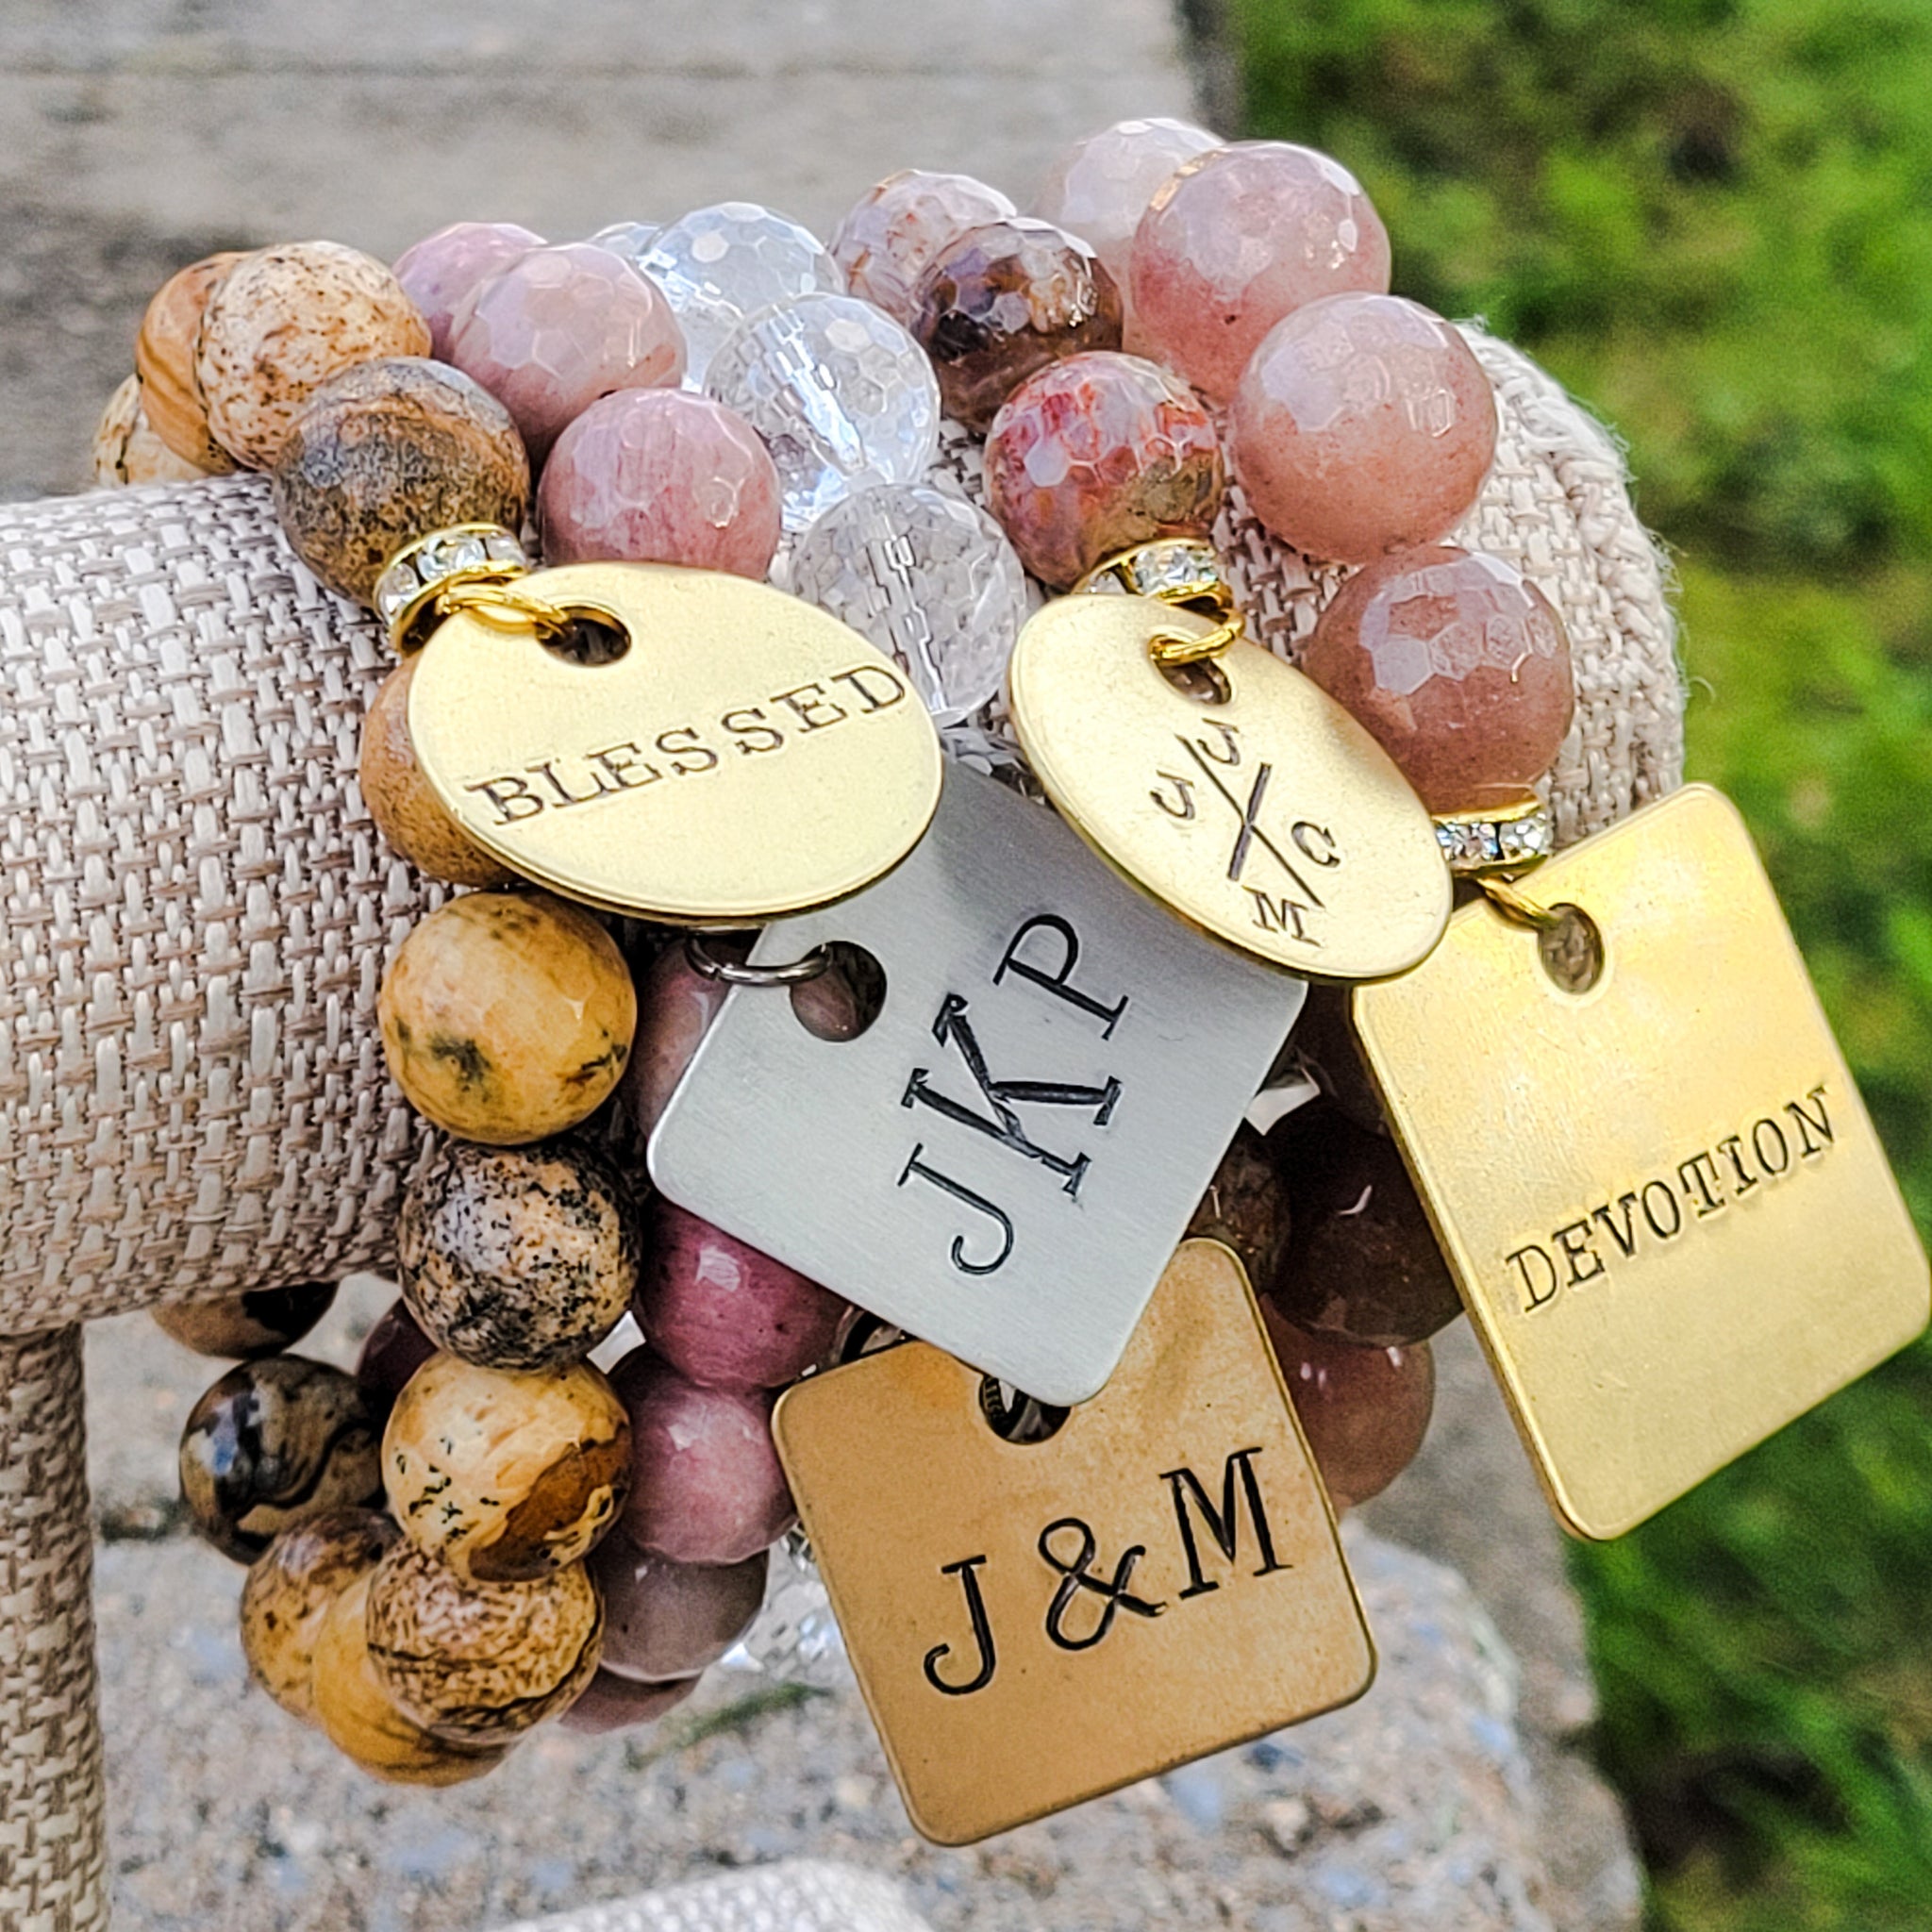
{"x":791,"y":972}
{"x":1519,"y":906}
{"x":1172,"y":647}
{"x":505,"y":607}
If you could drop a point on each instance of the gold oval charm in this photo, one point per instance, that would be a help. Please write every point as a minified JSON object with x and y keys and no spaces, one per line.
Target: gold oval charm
{"x":746,"y":756}
{"x":1260,"y":813}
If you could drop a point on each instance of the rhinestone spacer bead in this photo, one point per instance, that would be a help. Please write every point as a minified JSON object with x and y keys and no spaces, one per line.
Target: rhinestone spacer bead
{"x":1175,"y":569}
{"x":1511,"y":839}
{"x":422,"y":570}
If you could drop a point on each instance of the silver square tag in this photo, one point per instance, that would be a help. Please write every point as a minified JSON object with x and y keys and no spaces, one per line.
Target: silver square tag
{"x":1002,"y":1162}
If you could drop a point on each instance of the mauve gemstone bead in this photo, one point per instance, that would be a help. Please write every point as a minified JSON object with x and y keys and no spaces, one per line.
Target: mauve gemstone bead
{"x":1457,"y":665}
{"x":1362,"y":1264}
{"x":664,"y":1621}
{"x":676,"y":1005}
{"x":894,"y":229}
{"x":724,"y":1314}
{"x":611,"y":1703}
{"x":661,"y":477}
{"x":1095,"y":454}
{"x":706,"y":1485}
{"x":1365,"y":1410}
{"x":1236,"y":240}
{"x":444,"y":269}
{"x":1004,"y":299}
{"x":1362,"y":424}
{"x":393,"y":1351}
{"x":561,"y":326}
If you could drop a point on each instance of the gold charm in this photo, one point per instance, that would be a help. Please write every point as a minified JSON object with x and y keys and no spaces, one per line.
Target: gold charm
{"x":1035,"y":1622}
{"x":739,"y":755}
{"x":1643,"y":1154}
{"x":1258,"y":811}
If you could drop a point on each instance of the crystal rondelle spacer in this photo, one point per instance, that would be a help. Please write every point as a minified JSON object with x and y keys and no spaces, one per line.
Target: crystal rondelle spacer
{"x":406,"y":590}
{"x":1175,"y":569}
{"x":1513,"y":839}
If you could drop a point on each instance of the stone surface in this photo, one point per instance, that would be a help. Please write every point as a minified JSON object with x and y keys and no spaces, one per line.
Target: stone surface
{"x":127,"y":451}
{"x":665,"y":1620}
{"x":442,"y":270}
{"x":164,"y":361}
{"x":888,"y":236}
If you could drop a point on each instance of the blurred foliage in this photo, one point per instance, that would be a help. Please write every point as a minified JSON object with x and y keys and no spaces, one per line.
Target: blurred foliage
{"x":1713,"y":220}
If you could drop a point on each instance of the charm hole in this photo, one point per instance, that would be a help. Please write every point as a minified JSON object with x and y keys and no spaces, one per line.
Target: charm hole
{"x":1017,"y":1418}
{"x":1205,"y":682}
{"x":842,"y":1002}
{"x":1572,"y":950}
{"x":594,"y":638}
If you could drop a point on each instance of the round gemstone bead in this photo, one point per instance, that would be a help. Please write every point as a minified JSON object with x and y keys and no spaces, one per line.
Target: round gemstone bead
{"x":676,"y":1006}
{"x":289,"y":1592}
{"x":894,"y":229}
{"x":718,"y":265}
{"x":392,"y":1352}
{"x":841,"y":395}
{"x":1236,"y":240}
{"x":611,"y":1703}
{"x":665,"y":1620}
{"x":561,"y":326}
{"x":171,"y":397}
{"x":929,"y":578}
{"x":627,"y":241}
{"x":126,"y":450}
{"x":661,"y":477}
{"x":1457,"y":665}
{"x":1096,"y":454}
{"x":442,"y":270}
{"x":1362,"y":424}
{"x":1246,"y":1207}
{"x":1004,"y":299}
{"x":245,"y":1328}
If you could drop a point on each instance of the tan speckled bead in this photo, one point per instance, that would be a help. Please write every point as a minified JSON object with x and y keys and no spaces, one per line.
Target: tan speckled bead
{"x":290,"y":1590}
{"x":481,"y":1663}
{"x":361,"y":1719}
{"x":506,"y":1477}
{"x":244,"y":1327}
{"x":126,"y":448}
{"x":406,"y":812}
{"x":508,"y":1017}
{"x":283,"y":322}
{"x":164,"y":356}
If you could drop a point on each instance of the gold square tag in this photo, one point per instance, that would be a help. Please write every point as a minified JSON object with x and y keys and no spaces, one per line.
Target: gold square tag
{"x":1034,"y":1623}
{"x":1662,"y":1198}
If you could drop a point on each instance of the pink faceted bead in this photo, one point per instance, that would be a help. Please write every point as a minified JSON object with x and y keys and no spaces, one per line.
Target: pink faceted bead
{"x":724,"y":1314}
{"x":655,"y":476}
{"x":1364,"y":423}
{"x":1235,"y":240}
{"x":560,"y":327}
{"x":610,"y":1703}
{"x":705,"y":1485}
{"x":1095,"y":454}
{"x":444,"y":269}
{"x":676,"y":1005}
{"x":1459,"y":667}
{"x":894,"y":229}
{"x":664,"y":1620}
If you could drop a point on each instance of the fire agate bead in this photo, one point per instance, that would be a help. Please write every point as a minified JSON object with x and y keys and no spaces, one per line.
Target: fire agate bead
{"x":442,"y":270}
{"x":517,"y":1257}
{"x":1246,"y":1207}
{"x":611,"y":1703}
{"x":125,"y":449}
{"x":661,"y":477}
{"x":479,"y":1664}
{"x":725,"y":1315}
{"x":560,"y":327}
{"x":1362,"y":1264}
{"x":242,"y":1328}
{"x":1004,"y":299}
{"x":281,"y":324}
{"x":1236,"y":240}
{"x":894,"y":229}
{"x":507,"y":1017}
{"x":664,"y":1622}
{"x":1362,"y":424}
{"x":290,"y":1589}
{"x":506,"y":1477}
{"x":383,"y":453}
{"x":1365,"y":1410}
{"x":1457,"y":666}
{"x":676,"y":1006}
{"x":392,"y":1352}
{"x":1096,"y":454}
{"x":705,"y":1482}
{"x":171,"y":394}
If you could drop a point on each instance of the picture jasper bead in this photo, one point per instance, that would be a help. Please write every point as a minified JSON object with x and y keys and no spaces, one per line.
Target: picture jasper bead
{"x":272,"y":1443}
{"x":242,"y":1328}
{"x":508,"y":1017}
{"x":481,"y":1663}
{"x":611,"y":1703}
{"x":165,"y":358}
{"x":282,"y":321}
{"x":1246,"y":1208}
{"x":506,"y":1477}
{"x":665,"y":1620}
{"x":517,"y":1257}
{"x":384,"y":453}
{"x":126,"y":450}
{"x":289,"y":1592}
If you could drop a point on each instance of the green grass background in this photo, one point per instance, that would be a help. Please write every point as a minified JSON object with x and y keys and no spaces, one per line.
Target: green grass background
{"x":1713,"y":220}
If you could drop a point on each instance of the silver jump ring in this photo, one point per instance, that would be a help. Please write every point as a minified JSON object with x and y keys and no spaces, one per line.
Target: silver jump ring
{"x":793,"y":972}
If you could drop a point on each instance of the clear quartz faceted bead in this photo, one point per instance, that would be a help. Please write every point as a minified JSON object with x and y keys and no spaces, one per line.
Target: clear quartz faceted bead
{"x":628,"y":241}
{"x":928,"y":579}
{"x":718,"y":265}
{"x":843,"y":397}
{"x":795,"y":1638}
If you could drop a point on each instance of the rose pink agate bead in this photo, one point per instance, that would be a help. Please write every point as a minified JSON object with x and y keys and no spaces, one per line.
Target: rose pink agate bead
{"x":655,"y":476}
{"x":560,"y":327}
{"x":444,"y":269}
{"x":676,"y":1005}
{"x":1456,"y":665}
{"x":1095,"y":454}
{"x":1364,"y":423}
{"x":894,"y":229}
{"x":1235,"y":240}
{"x":664,"y":1621}
{"x":610,"y":1703}
{"x":705,"y":1486}
{"x":725,"y":1315}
